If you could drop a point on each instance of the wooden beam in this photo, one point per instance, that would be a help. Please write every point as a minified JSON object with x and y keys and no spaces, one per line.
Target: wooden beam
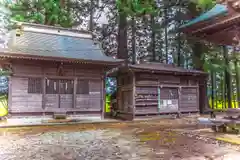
{"x":103,"y":96}
{"x":9,"y":93}
{"x":43,"y":89}
{"x":75,"y":92}
{"x":214,"y":37}
{"x":167,"y":86}
{"x":133,"y":94}
{"x":75,"y":89}
{"x":179,"y":98}
{"x":235,"y":18}
{"x":53,"y":76}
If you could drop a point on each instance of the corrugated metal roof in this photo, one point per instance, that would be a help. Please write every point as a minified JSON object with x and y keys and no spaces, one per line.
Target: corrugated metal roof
{"x":45,"y":44}
{"x":217,"y":10}
{"x":156,"y":67}
{"x":164,"y":67}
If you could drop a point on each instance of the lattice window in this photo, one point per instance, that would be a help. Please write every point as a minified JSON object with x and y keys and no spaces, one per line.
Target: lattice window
{"x":35,"y":85}
{"x":52,"y":86}
{"x":66,"y":86}
{"x":83,"y":87}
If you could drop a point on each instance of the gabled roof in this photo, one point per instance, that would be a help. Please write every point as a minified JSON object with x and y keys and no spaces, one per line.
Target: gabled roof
{"x":161,"y":67}
{"x":217,"y":10}
{"x":40,"y":41}
{"x":157,"y":68}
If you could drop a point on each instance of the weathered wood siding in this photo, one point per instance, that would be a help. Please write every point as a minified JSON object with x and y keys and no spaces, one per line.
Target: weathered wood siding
{"x":146,"y":100}
{"x":157,"y":94}
{"x":189,"y":101}
{"x":62,"y":95}
{"x":168,"y":100}
{"x":125,"y":96}
{"x":91,"y":102}
{"x":21,"y":100}
{"x":155,"y":100}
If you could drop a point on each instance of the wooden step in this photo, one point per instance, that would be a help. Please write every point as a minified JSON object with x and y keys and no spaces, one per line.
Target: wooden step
{"x":60,"y":115}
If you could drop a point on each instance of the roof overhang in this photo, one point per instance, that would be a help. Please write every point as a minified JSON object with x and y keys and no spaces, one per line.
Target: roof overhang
{"x":217,"y":10}
{"x":222,"y":29}
{"x":139,"y":69}
{"x":232,"y":4}
{"x":12,"y":55}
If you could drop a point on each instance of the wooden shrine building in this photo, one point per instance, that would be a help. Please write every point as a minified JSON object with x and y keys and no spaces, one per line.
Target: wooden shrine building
{"x":155,"y":89}
{"x":220,"y":26}
{"x":55,"y":69}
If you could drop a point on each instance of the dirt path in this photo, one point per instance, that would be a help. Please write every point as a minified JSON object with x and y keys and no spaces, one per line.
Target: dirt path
{"x":159,"y":139}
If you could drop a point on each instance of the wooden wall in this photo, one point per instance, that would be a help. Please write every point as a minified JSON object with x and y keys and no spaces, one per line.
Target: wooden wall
{"x":158,"y":94}
{"x":21,"y":100}
{"x":125,"y":91}
{"x":189,"y":100}
{"x":74,"y":100}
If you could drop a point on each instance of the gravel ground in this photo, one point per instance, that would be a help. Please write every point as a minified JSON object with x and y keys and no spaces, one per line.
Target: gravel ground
{"x":84,"y":145}
{"x":130,"y":141}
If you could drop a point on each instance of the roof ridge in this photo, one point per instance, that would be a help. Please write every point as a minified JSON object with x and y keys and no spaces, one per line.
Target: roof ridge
{"x":55,"y":27}
{"x":53,"y":30}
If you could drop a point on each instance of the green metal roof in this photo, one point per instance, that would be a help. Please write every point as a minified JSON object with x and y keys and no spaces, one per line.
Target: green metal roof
{"x":43,"y":44}
{"x":217,"y":10}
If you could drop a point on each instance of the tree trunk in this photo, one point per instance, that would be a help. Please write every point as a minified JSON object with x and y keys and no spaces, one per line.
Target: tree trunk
{"x":122,"y":51}
{"x":153,"y":39}
{"x":227,"y":77}
{"x":62,"y":3}
{"x":222,"y":91}
{"x":198,"y":50}
{"x":91,"y":16}
{"x":166,"y":34}
{"x":212,"y":89}
{"x":237,"y":69}
{"x":133,"y":41}
{"x":225,"y":91}
{"x":179,"y":43}
{"x":198,"y":62}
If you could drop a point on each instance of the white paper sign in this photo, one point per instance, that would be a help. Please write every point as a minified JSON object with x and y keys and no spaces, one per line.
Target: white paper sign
{"x":164,"y":102}
{"x":169,"y":102}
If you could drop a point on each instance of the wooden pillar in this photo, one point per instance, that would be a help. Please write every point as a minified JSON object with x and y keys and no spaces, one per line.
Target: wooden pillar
{"x":198,"y":97}
{"x":203,"y":100}
{"x":43,"y":92}
{"x":43,"y":89}
{"x":75,"y":92}
{"x":103,"y":96}
{"x":133,"y":95}
{"x":9,"y":93}
{"x":179,"y":98}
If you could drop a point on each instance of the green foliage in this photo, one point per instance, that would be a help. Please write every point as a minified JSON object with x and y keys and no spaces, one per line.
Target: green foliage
{"x":204,"y":5}
{"x":49,"y":12}
{"x":137,"y":7}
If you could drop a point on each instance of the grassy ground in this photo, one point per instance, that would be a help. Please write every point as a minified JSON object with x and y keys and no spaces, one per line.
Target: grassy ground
{"x":3,"y":106}
{"x":219,"y":105}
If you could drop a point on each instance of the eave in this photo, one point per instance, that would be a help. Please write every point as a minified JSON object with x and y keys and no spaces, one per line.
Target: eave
{"x":9,"y":55}
{"x":221,"y":30}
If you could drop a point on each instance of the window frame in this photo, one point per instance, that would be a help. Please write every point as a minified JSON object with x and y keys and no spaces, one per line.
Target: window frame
{"x":35,"y":85}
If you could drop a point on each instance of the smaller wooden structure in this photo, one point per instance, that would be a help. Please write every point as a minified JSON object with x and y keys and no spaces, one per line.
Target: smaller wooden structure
{"x":155,"y":89}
